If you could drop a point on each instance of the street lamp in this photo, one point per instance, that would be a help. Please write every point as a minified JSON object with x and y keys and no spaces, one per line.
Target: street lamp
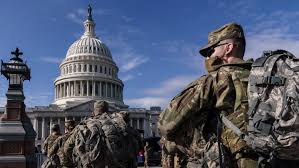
{"x":15,"y":71}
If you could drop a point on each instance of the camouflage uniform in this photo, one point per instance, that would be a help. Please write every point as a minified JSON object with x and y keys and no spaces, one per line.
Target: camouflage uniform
{"x":57,"y":147}
{"x":52,"y":160}
{"x":222,"y":91}
{"x":50,"y":139}
{"x":172,"y":157}
{"x":90,"y":146}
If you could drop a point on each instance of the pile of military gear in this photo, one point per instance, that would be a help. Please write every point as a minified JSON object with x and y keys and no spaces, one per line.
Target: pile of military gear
{"x":101,"y":141}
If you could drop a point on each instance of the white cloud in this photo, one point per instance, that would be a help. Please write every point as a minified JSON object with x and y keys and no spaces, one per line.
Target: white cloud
{"x":277,"y":30}
{"x":171,"y":86}
{"x":132,"y":61}
{"x":182,"y":52}
{"x":126,"y":18}
{"x":54,"y":60}
{"x":147,"y":102}
{"x":127,"y":77}
{"x":125,"y":55}
{"x":75,"y":18}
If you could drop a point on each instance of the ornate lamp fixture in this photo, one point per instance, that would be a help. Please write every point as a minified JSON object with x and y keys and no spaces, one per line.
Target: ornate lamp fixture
{"x":15,"y":71}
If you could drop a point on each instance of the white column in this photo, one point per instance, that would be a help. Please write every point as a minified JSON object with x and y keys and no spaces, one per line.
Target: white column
{"x":106,"y":89}
{"x":35,"y":125}
{"x":93,"y":88}
{"x":100,"y":89}
{"x":111,"y":90}
{"x":69,"y":91}
{"x":131,"y":122}
{"x":75,"y":88}
{"x":87,"y":83}
{"x":59,"y":85}
{"x":81,"y":88}
{"x":51,"y":123}
{"x":43,"y":129}
{"x":65,"y":90}
{"x":138,"y":123}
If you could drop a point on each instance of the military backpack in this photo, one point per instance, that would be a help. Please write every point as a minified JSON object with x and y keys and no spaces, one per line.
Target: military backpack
{"x":273,"y":97}
{"x":101,"y":141}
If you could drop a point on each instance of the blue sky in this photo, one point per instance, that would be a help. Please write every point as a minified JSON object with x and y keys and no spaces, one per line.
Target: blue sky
{"x":155,"y":43}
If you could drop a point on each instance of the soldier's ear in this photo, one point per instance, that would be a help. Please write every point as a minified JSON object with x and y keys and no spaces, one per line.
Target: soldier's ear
{"x":229,"y":48}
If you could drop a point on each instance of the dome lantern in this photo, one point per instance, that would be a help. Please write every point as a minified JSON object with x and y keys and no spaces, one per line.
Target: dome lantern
{"x":89,"y":25}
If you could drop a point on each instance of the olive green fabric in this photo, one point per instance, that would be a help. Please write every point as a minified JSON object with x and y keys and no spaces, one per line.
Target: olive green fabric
{"x":190,"y":118}
{"x":57,"y":148}
{"x":228,"y":31}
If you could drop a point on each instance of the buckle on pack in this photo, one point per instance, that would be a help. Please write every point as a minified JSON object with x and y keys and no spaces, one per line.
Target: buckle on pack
{"x":274,"y":80}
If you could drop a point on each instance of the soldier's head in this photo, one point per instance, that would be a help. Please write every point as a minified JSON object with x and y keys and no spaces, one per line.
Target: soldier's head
{"x":55,"y":128}
{"x":225,"y":43}
{"x":100,"y":107}
{"x":69,"y":125}
{"x":125,"y":115}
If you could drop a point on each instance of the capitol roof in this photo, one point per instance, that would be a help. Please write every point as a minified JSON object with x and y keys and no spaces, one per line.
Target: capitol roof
{"x":89,"y":42}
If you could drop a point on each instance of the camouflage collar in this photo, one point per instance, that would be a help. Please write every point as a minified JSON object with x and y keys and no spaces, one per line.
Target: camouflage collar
{"x":214,"y":64}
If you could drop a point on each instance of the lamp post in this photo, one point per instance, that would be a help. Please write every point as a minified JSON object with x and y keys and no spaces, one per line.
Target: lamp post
{"x":17,"y":136}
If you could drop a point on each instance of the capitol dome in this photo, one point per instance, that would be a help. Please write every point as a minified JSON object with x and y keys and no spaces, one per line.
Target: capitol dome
{"x":88,"y":72}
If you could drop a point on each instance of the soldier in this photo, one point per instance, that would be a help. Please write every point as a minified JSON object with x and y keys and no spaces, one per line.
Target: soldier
{"x":55,"y":133}
{"x":100,"y":107}
{"x":102,"y":140}
{"x":52,"y":159}
{"x":57,"y":147}
{"x":223,"y":91}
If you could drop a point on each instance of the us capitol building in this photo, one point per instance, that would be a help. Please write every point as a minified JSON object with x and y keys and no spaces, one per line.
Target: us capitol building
{"x":88,"y":73}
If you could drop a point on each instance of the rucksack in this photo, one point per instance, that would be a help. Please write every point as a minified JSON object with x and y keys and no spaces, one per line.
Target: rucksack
{"x":273,"y":97}
{"x":101,"y":141}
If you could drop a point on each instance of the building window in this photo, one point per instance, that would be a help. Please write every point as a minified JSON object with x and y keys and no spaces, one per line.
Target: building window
{"x":96,"y":68}
{"x":79,"y":68}
{"x":96,"y":89}
{"x":109,"y":71}
{"x":103,"y":89}
{"x":90,"y":68}
{"x":109,"y":90}
{"x":105,"y":70}
{"x":75,"y":68}
{"x":101,"y":69}
{"x":84,"y":68}
{"x":78,"y":89}
{"x":84,"y":88}
{"x":90,"y":88}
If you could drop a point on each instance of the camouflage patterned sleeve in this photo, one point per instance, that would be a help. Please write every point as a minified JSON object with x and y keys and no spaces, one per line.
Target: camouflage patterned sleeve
{"x":45,"y":146}
{"x":69,"y":146}
{"x":194,"y":100}
{"x":56,"y":145}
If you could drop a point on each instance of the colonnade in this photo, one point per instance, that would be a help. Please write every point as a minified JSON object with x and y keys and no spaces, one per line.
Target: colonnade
{"x":88,"y":88}
{"x":44,"y":123}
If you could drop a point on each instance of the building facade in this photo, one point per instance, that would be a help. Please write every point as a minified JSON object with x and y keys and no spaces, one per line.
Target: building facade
{"x":87,"y":74}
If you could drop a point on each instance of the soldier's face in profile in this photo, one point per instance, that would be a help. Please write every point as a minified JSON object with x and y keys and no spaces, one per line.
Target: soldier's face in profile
{"x":217,"y":50}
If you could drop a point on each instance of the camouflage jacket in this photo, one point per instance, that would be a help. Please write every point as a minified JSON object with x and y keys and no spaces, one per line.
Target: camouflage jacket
{"x":57,"y":148}
{"x":193,"y":112}
{"x":49,"y":142}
